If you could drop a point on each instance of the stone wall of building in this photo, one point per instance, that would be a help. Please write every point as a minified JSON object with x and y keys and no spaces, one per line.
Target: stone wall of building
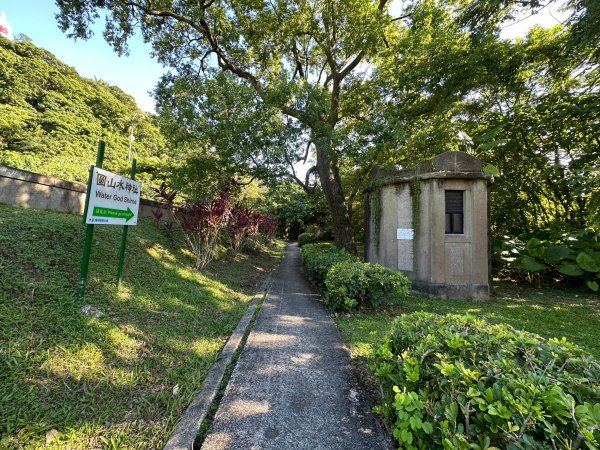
{"x":438,"y":264}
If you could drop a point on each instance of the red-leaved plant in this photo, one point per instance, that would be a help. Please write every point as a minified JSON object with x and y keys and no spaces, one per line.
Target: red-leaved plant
{"x":165,"y":198}
{"x":267,"y":226}
{"x":242,"y":224}
{"x":202,"y":222}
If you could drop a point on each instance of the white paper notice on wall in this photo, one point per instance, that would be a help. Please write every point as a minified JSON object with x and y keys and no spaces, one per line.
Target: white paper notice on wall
{"x":405,"y":234}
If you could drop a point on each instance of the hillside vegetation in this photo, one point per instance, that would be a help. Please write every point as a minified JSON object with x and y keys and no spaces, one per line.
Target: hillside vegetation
{"x":121,"y":380}
{"x":51,"y":119}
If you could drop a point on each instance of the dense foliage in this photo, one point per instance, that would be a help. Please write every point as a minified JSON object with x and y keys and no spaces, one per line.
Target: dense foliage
{"x":296,"y":210}
{"x":353,"y":84}
{"x":307,"y":238}
{"x":355,"y":283}
{"x":348,"y":282}
{"x":457,"y":382}
{"x":203,"y":223}
{"x":51,"y":119}
{"x":318,"y":259}
{"x":530,"y":107}
{"x":572,"y":257}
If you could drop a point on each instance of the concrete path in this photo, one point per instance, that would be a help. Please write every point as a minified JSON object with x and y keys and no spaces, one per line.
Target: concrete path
{"x":294,"y":386}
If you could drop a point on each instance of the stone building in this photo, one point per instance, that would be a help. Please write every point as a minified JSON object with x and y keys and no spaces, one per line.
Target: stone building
{"x":432,"y":223}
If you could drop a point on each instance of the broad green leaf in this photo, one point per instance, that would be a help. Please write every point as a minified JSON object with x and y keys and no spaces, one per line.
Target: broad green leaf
{"x":557,"y":252}
{"x":427,"y":427}
{"x":492,"y":170}
{"x":531,"y":265}
{"x":593,"y":285}
{"x":573,"y":270}
{"x":492,"y":144}
{"x":587,"y":262}
{"x":535,"y":247}
{"x":490,"y":134}
{"x":415,"y":422}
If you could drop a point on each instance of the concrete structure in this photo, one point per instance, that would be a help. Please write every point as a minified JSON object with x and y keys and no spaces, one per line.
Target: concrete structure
{"x":445,"y":252}
{"x":32,"y":190}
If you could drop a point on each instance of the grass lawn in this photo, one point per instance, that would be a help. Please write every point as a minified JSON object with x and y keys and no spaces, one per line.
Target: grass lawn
{"x":574,"y":314}
{"x":120,"y":381}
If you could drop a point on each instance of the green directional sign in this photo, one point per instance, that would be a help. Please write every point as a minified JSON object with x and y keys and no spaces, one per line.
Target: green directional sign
{"x":113,"y":199}
{"x":113,"y":213}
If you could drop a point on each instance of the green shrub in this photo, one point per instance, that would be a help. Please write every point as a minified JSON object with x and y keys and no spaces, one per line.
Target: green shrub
{"x":385,"y":283}
{"x":313,"y":229}
{"x":319,"y":258}
{"x":457,"y":382}
{"x":307,"y":238}
{"x":347,"y":285}
{"x":353,"y":283}
{"x":575,"y":256}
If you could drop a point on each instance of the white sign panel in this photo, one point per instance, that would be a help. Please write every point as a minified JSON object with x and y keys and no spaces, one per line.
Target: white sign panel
{"x":404,"y":234}
{"x":114,"y":200}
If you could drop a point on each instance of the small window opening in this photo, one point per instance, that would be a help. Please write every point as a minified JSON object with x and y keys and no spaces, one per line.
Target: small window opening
{"x":454,"y":212}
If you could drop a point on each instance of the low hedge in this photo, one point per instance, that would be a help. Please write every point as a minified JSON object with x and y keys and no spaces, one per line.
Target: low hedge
{"x":319,"y":258}
{"x":457,"y":382}
{"x":353,"y":283}
{"x":307,"y":238}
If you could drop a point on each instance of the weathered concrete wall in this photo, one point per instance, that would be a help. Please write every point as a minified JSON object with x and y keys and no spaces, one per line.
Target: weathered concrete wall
{"x":32,"y":190}
{"x":371,"y":228}
{"x":453,"y":265}
{"x":388,"y":250}
{"x":438,"y":264}
{"x":405,"y":261}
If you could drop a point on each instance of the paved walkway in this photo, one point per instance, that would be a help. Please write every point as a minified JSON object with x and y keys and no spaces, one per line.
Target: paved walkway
{"x":294,"y":386}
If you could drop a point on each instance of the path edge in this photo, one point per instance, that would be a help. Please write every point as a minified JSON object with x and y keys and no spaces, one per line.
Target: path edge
{"x":186,"y":431}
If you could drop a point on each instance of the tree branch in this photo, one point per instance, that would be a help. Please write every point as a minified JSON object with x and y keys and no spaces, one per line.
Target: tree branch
{"x":299,"y":68}
{"x":239,"y":183}
{"x":224,"y":61}
{"x":352,"y":65}
{"x":306,"y":151}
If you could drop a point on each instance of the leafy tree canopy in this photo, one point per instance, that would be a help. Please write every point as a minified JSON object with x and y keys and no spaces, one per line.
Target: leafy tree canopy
{"x":302,"y":64}
{"x":257,"y":85}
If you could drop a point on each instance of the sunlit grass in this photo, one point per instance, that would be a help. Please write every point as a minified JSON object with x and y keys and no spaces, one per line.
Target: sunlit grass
{"x":108,"y":382}
{"x":550,"y":312}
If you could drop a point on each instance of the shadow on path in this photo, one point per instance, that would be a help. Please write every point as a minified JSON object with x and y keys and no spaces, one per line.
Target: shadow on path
{"x":294,"y":386}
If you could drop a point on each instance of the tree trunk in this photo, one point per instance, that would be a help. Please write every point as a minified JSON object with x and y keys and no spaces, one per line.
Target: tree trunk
{"x":332,"y":188}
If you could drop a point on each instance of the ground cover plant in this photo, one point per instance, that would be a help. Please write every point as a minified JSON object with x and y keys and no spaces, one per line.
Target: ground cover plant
{"x":549,"y":312}
{"x":457,"y":382}
{"x":121,"y":380}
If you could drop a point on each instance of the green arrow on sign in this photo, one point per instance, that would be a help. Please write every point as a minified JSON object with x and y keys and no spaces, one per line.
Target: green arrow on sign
{"x":113,"y":213}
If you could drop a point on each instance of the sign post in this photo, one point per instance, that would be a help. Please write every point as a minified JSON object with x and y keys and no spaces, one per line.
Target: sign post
{"x":89,"y":232}
{"x":111,"y":200}
{"x":124,"y":238}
